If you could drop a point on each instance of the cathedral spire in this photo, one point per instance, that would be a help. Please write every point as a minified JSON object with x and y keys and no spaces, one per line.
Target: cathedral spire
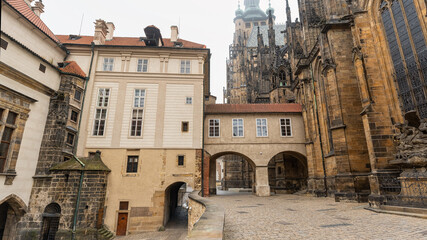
{"x":288,"y":13}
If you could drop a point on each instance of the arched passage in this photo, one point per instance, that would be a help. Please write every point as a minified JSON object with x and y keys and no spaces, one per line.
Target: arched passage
{"x":287,"y":172}
{"x":176,"y":201}
{"x":12,"y":208}
{"x":231,"y":171}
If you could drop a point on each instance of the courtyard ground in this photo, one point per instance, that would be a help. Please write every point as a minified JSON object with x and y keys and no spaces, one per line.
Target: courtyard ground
{"x":303,"y":217}
{"x":294,"y":217}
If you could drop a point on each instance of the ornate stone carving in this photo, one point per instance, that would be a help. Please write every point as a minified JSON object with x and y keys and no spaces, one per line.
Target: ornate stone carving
{"x":412,"y":142}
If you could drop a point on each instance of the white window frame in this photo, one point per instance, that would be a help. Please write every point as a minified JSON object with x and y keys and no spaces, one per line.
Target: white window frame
{"x":219,"y":128}
{"x":185,"y":67}
{"x":290,"y":126}
{"x":108,"y":64}
{"x":142,"y":65}
{"x":189,"y":100}
{"x":238,"y":126}
{"x":102,"y":103}
{"x":266,"y":126}
{"x":138,"y":104}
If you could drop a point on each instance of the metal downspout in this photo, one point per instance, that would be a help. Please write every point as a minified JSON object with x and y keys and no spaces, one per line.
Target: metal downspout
{"x":76,"y":210}
{"x":84,"y":97}
{"x":318,"y":129}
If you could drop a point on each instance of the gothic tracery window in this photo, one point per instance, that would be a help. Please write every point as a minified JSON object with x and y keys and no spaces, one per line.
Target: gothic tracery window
{"x":408,"y":51}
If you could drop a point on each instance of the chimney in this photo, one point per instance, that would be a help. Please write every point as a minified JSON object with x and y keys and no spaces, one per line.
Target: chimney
{"x":111,"y":29}
{"x":38,"y":8}
{"x":174,"y":34}
{"x":101,"y":31}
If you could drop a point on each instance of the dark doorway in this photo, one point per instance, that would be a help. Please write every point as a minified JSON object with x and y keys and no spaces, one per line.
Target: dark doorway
{"x":176,"y":203}
{"x":3,"y":218}
{"x":122,"y":223}
{"x":50,"y":226}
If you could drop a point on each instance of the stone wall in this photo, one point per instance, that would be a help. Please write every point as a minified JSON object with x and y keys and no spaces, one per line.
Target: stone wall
{"x":205,"y":219}
{"x":62,"y":188}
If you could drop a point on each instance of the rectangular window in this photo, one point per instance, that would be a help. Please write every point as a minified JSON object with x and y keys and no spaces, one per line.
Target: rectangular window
{"x":101,"y":111}
{"x":285,"y":127}
{"x":77,"y":95}
{"x":137,"y":117}
{"x":248,"y":25}
{"x":137,"y":113}
{"x":189,"y":100}
{"x":142,"y":65}
{"x":181,"y":159}
{"x":185,"y":66}
{"x":261,"y":127}
{"x":42,"y":68}
{"x":74,"y":116}
{"x":4,"y":44}
{"x":184,"y":126}
{"x":6,"y":137}
{"x":132,"y":164}
{"x":70,"y":139}
{"x":238,"y":127}
{"x":108,"y":64}
{"x":214,"y":128}
{"x":124,"y":206}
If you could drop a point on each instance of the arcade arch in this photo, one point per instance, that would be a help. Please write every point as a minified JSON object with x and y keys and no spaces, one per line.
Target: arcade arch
{"x":287,"y":172}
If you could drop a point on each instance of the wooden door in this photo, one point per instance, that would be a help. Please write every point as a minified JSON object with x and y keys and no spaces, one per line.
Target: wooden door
{"x":122,"y":224}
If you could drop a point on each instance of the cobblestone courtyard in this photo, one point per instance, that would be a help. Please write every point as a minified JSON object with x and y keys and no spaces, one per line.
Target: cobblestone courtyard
{"x":302,"y":217}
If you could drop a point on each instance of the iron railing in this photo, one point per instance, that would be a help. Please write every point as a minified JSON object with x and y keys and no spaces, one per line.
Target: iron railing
{"x":410,"y":190}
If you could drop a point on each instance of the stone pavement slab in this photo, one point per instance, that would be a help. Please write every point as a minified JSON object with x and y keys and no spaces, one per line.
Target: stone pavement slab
{"x":303,"y":217}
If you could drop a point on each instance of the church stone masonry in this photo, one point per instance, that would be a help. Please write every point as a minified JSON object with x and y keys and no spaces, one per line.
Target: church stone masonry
{"x":362,"y":82}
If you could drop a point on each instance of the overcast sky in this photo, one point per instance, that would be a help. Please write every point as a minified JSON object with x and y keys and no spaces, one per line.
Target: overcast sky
{"x":209,"y":22}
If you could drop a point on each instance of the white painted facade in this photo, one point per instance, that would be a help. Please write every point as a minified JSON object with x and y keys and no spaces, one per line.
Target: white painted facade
{"x":19,"y":72}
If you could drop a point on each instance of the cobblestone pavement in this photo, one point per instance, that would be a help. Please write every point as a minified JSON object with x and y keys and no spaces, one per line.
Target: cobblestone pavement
{"x":302,"y":217}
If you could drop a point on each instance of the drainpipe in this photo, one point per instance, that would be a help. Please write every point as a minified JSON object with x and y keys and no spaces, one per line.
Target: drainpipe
{"x":76,"y":210}
{"x":84,"y":97}
{"x":318,"y":129}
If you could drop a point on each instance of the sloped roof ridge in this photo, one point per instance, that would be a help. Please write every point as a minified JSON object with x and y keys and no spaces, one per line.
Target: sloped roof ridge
{"x":25,"y":10}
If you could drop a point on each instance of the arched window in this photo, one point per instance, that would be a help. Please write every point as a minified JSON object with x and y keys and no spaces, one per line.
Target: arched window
{"x":408,"y":51}
{"x":51,"y":216}
{"x":282,"y":76}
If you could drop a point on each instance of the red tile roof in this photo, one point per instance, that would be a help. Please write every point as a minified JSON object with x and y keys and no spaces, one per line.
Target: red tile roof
{"x":72,"y":68}
{"x":253,"y":108}
{"x":125,"y":41}
{"x":22,"y":7}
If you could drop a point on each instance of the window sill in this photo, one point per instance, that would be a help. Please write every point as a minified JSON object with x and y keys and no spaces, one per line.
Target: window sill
{"x":130,"y":175}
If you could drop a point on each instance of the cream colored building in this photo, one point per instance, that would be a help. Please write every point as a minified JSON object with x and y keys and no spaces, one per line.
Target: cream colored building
{"x":29,"y":77}
{"x":270,"y":137}
{"x":143,"y":110}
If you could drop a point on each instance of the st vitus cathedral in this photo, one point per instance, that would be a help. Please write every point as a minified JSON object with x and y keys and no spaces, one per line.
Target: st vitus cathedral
{"x":359,"y":69}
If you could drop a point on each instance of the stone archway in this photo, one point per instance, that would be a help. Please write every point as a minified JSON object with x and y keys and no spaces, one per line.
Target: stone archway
{"x":174,"y":203}
{"x":12,"y":208}
{"x":287,"y":172}
{"x":244,"y":171}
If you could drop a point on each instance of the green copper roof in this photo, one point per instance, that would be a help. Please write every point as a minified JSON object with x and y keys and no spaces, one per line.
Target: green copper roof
{"x":93,"y":163}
